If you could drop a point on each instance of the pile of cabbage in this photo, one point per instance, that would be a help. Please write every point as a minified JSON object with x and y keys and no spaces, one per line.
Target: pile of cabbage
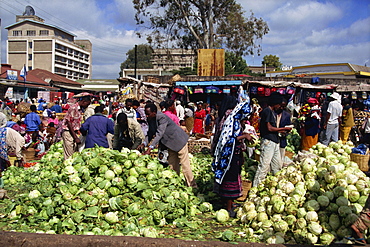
{"x":98,"y":192}
{"x":293,"y":141}
{"x":313,"y":201}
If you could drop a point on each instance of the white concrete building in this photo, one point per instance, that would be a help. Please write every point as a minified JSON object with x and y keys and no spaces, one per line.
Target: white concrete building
{"x":38,"y":45}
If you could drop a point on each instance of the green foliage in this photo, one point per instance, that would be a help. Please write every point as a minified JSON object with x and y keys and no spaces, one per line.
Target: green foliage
{"x":200,"y":24}
{"x":235,"y":64}
{"x":185,"y":71}
{"x":144,"y":53}
{"x":272,"y":61}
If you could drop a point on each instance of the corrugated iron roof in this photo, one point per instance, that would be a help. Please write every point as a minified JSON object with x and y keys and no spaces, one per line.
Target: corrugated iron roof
{"x":358,"y":68}
{"x":209,"y":83}
{"x":30,"y":78}
{"x":47,"y":75}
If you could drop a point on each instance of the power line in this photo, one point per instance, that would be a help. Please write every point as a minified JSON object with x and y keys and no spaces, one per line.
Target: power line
{"x":2,"y":7}
{"x":72,"y":26}
{"x":12,"y":6}
{"x":97,"y":48}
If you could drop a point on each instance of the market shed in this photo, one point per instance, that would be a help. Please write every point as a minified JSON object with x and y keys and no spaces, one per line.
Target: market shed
{"x":261,"y":90}
{"x":206,"y":91}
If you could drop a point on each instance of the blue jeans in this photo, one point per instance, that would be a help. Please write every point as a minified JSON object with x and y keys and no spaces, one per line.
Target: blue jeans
{"x":332,"y":133}
{"x":269,"y":160}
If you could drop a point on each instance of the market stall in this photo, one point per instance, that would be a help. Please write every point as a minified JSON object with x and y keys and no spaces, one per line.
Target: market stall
{"x":153,"y":91}
{"x":299,"y":92}
{"x":206,"y":91}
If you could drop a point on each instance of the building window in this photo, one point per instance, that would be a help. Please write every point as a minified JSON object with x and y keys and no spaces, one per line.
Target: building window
{"x":30,"y":45}
{"x":31,"y":32}
{"x":29,"y":56}
{"x":17,"y":33}
{"x":44,"y":32}
{"x":29,"y":68}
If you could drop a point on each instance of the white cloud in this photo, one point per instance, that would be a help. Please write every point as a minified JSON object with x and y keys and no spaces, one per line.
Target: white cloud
{"x":305,"y":16}
{"x":301,"y":32}
{"x":109,"y":25}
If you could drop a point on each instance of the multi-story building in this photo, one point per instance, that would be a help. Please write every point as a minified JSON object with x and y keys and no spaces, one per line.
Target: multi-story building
{"x":38,"y":45}
{"x":172,"y":59}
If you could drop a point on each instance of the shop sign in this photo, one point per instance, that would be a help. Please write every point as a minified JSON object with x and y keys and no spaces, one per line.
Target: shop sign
{"x":12,"y":75}
{"x":211,"y":62}
{"x":9,"y":92}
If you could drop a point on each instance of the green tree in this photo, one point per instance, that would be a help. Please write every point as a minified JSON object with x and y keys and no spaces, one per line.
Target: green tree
{"x":185,"y":71}
{"x":235,"y":64}
{"x":272,"y":61}
{"x":200,"y":24}
{"x":144,"y":54}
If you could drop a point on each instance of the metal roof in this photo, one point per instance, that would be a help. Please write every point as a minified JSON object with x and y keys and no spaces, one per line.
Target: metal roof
{"x":209,"y":83}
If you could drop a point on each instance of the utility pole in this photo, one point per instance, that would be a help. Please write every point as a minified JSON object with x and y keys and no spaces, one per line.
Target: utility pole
{"x":135,"y":61}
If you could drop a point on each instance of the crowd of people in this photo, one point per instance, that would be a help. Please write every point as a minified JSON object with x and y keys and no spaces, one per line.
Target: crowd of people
{"x":89,"y":121}
{"x":141,"y":125}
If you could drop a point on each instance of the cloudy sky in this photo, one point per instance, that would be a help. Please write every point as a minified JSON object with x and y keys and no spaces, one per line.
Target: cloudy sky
{"x":301,"y":31}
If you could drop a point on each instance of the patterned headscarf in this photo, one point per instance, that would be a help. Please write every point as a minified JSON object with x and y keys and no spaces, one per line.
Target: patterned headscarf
{"x":225,"y":146}
{"x":3,"y":146}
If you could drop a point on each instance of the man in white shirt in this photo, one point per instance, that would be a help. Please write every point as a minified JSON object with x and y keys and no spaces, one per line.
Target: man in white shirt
{"x":128,"y":110}
{"x":333,"y":119}
{"x":180,"y":110}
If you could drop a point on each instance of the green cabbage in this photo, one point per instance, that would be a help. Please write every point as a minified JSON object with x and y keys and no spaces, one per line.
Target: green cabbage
{"x":312,"y":205}
{"x":222,"y":215}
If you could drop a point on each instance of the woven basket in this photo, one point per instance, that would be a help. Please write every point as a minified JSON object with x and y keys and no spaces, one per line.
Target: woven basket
{"x":246,"y":185}
{"x":197,"y":146}
{"x":361,"y":160}
{"x":29,"y":154}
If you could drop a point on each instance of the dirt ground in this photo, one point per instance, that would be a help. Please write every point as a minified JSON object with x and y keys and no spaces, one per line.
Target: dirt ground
{"x":10,"y":239}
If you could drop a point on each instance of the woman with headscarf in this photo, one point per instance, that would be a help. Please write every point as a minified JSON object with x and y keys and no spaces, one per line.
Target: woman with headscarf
{"x":228,"y":159}
{"x":170,"y":111}
{"x":311,"y":127}
{"x":199,"y":116}
{"x":189,"y":116}
{"x":226,"y":107}
{"x":10,"y":140}
{"x":348,"y":120}
{"x":255,"y":116}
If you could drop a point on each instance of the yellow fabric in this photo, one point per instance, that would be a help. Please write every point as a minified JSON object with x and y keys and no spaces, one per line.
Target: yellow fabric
{"x":308,"y":141}
{"x":344,"y":133}
{"x":348,"y":120}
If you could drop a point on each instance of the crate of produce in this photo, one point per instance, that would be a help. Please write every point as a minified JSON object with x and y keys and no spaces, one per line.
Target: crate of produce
{"x":362,"y":160}
{"x":246,"y":186}
{"x":196,"y":146}
{"x":29,"y":154}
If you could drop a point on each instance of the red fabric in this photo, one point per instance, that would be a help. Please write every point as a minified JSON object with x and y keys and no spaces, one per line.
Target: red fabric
{"x":199,"y":121}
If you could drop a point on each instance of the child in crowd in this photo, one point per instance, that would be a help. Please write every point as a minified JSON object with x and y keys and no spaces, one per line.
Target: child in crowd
{"x":38,"y":139}
{"x":50,"y":130}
